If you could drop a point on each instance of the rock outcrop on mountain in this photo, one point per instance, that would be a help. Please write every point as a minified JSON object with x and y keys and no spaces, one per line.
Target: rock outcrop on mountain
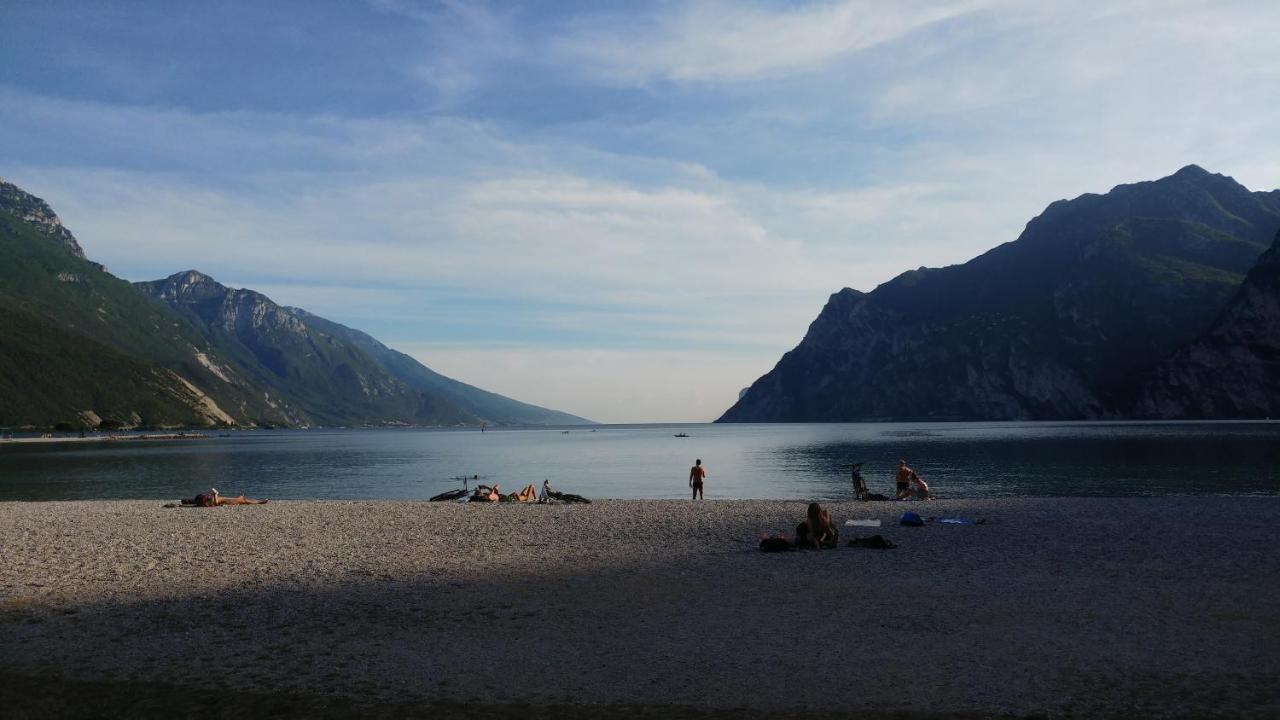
{"x":1063,"y":323}
{"x":1233,"y":369}
{"x":82,"y":347}
{"x":30,"y":209}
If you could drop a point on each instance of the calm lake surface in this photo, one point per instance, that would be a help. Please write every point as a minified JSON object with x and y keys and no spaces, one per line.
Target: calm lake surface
{"x":647,"y":461}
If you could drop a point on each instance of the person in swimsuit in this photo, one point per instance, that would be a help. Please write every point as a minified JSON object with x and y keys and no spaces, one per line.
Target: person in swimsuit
{"x":213,"y":499}
{"x":697,"y":475}
{"x":484,"y":493}
{"x":904,"y":480}
{"x":919,"y":487}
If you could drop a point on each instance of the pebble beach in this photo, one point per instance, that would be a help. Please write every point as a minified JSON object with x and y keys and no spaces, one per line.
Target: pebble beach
{"x":1134,"y":607}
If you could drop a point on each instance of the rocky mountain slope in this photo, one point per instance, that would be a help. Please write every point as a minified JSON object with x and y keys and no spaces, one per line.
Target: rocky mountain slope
{"x":322,"y":372}
{"x":80,"y":346}
{"x":31,"y":210}
{"x":1064,"y":322}
{"x":1233,"y":369}
{"x":487,"y":406}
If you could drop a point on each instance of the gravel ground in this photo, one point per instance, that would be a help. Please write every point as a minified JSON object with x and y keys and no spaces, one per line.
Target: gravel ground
{"x":1056,"y":607}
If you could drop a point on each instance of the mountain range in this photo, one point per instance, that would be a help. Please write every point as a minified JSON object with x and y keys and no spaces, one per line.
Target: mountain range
{"x":1157,"y":299}
{"x":83,"y":348}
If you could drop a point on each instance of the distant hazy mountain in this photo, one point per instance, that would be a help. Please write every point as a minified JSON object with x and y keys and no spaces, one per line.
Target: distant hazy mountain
{"x":1068,"y":321}
{"x":328,"y":373}
{"x":80,"y":346}
{"x":482,"y":404}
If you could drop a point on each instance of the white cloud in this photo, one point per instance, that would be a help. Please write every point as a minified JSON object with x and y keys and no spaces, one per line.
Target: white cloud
{"x":651,"y":273}
{"x":722,"y":41}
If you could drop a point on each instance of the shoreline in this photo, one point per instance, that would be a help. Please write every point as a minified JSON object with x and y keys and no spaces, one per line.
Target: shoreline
{"x":1156,"y":607}
{"x":104,"y":438}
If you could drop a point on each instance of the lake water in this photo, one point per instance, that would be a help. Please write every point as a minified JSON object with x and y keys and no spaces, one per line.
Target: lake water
{"x":797,"y":461}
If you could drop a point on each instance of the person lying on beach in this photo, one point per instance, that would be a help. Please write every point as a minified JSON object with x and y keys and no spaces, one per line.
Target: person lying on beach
{"x":526,"y":494}
{"x":213,"y":499}
{"x":484,"y":493}
{"x":817,"y":531}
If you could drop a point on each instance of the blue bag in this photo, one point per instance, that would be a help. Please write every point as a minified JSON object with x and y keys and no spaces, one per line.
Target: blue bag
{"x":911,"y":519}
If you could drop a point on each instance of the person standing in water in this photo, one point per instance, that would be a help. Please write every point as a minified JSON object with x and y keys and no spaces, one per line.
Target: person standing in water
{"x":697,"y":474}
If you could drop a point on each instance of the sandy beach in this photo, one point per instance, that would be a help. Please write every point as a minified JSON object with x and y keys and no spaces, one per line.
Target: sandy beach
{"x":1165,"y":607}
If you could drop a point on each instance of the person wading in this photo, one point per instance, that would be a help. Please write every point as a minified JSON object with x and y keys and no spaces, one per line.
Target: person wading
{"x":697,"y":474}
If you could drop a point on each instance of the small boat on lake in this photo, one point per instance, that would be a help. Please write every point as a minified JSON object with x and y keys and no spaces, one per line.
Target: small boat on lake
{"x":681,"y":435}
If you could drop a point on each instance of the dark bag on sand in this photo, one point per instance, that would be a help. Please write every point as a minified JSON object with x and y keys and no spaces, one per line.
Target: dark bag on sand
{"x":776,"y":544}
{"x":875,"y":542}
{"x":877,"y":497}
{"x":911,"y":519}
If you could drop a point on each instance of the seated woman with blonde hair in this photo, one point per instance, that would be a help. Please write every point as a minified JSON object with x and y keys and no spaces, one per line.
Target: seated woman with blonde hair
{"x":919,"y":487}
{"x":817,"y":531}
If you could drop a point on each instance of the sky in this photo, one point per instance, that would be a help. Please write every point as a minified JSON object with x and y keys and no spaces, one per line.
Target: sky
{"x":628,"y":211}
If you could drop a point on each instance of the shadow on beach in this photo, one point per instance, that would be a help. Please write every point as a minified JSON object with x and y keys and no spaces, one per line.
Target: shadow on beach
{"x":1127,"y":615}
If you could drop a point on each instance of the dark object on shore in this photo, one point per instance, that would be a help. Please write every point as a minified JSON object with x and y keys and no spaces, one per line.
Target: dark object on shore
{"x":678,"y":435}
{"x":860,"y":491}
{"x":450,"y":495}
{"x":776,"y":544}
{"x":567,"y":497}
{"x":876,"y":542}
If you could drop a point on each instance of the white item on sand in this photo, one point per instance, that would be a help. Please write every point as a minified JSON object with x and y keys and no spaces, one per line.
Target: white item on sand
{"x":862,"y":523}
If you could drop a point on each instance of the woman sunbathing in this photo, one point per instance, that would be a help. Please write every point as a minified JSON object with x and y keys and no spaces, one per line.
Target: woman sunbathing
{"x":213,"y":499}
{"x":527,"y":494}
{"x":484,"y":493}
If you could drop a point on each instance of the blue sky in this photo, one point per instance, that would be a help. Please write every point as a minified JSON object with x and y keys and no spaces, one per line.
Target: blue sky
{"x":624,"y":210}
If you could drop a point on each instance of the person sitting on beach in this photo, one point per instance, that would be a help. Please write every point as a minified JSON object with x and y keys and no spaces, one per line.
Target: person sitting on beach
{"x":544,"y":496}
{"x":818,"y":530}
{"x":214,"y":499}
{"x":919,"y":488}
{"x":903,"y":479}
